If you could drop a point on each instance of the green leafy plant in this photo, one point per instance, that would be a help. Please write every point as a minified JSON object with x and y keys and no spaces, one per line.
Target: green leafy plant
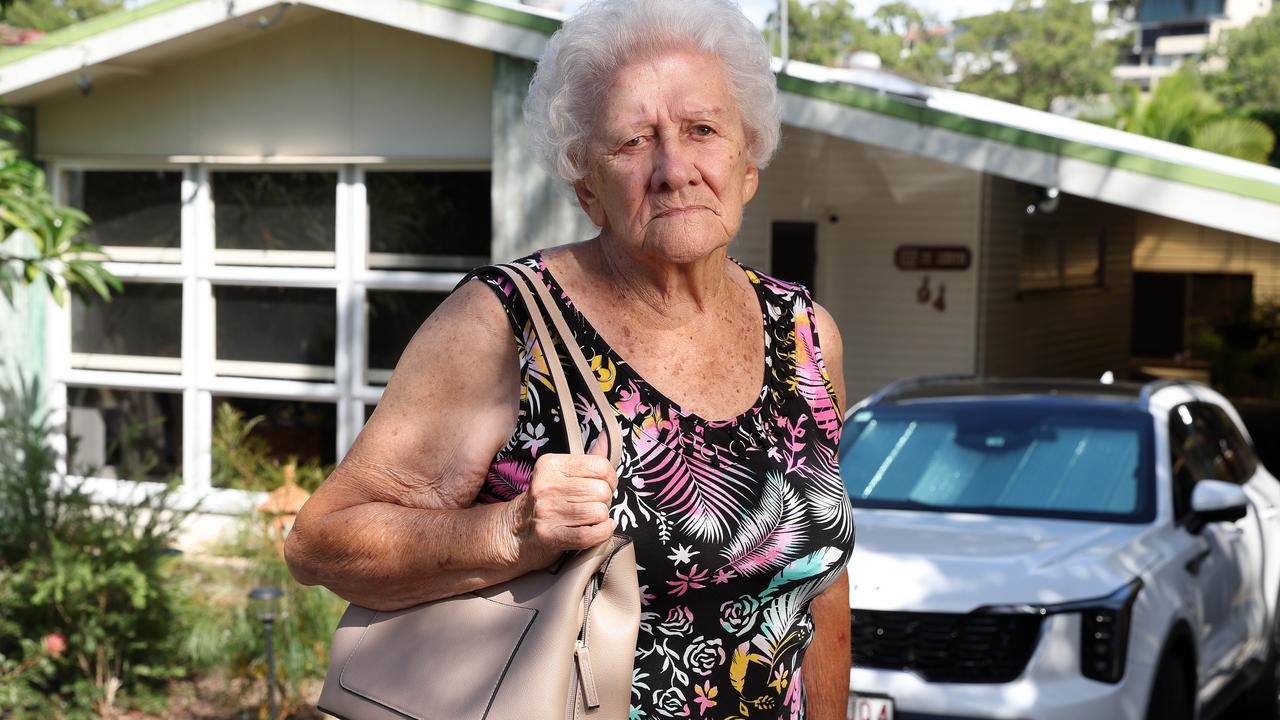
{"x":98,"y":576}
{"x":1035,"y":52}
{"x":222,"y":634}
{"x":1182,"y":110}
{"x":39,"y":240}
{"x":245,"y":461}
{"x":1244,"y":349}
{"x":49,"y":15}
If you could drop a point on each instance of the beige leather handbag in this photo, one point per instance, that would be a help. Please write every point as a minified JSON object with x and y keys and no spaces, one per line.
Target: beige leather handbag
{"x":555,"y":644}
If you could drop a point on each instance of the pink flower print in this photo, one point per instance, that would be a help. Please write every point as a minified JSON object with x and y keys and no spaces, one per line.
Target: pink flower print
{"x":645,"y":596}
{"x":679,"y":621}
{"x":695,"y":580}
{"x":629,"y":405}
{"x":705,"y":694}
{"x":509,"y":477}
{"x":723,"y":576}
{"x":792,"y":701}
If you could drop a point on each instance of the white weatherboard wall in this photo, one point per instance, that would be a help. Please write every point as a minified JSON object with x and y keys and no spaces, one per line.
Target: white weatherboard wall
{"x":883,"y":199}
{"x":326,"y":86}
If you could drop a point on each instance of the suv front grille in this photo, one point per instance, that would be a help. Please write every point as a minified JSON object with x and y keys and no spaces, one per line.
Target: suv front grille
{"x":946,"y":647}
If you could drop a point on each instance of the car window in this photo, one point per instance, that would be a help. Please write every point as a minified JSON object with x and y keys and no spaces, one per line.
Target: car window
{"x":1235,"y":449}
{"x":1218,"y":450}
{"x":1007,"y":457}
{"x":1191,"y":457}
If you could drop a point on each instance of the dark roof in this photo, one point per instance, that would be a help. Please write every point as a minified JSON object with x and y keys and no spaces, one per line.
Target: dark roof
{"x":962,"y":387}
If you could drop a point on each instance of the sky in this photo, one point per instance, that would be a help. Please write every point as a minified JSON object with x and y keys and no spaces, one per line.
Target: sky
{"x":947,"y":10}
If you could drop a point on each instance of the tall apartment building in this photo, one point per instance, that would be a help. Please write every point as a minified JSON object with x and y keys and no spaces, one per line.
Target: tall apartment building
{"x":1169,"y":32}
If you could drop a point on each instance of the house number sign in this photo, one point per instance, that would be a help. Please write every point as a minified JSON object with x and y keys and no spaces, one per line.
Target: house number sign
{"x":932,"y":257}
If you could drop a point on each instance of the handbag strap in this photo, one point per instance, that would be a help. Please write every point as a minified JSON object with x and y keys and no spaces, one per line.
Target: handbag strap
{"x":537,"y":299}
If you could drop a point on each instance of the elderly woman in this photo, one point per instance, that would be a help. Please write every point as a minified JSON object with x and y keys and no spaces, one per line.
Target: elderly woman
{"x":660,"y":114}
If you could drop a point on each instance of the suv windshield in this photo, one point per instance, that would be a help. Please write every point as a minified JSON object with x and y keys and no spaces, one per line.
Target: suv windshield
{"x":1045,"y":458}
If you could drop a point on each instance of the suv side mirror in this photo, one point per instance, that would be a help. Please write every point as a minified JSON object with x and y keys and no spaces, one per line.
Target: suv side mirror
{"x":1216,"y":501}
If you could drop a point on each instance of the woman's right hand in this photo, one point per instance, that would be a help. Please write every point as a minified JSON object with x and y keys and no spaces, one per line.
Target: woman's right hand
{"x":566,"y":506}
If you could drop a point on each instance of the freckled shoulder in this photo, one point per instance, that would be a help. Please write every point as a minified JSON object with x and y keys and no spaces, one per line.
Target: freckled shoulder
{"x":449,"y":406}
{"x":832,"y":345}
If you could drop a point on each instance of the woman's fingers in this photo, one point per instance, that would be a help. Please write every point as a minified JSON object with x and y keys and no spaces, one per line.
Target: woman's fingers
{"x":567,"y":504}
{"x":585,"y":536}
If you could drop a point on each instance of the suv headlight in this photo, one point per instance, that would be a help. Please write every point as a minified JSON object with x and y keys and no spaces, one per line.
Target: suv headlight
{"x":1104,"y":634}
{"x":1104,"y":629}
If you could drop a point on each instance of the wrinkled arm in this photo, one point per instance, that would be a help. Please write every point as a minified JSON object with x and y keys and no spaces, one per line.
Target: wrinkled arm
{"x":393,"y":525}
{"x":828,"y":660}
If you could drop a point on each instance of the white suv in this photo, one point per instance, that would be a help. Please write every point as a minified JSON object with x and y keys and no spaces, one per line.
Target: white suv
{"x":1057,"y":549}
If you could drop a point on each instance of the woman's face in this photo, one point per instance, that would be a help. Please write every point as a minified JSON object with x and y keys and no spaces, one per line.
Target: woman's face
{"x":669,"y":170}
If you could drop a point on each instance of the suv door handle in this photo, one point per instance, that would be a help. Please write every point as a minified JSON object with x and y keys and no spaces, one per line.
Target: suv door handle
{"x":1193,"y":565}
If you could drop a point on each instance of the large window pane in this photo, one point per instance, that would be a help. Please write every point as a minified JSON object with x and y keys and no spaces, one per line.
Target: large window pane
{"x":1082,"y":260}
{"x":428,"y":220}
{"x":127,"y":434}
{"x":1039,"y":268}
{"x":137,"y":214}
{"x":275,"y":218}
{"x":275,"y":332}
{"x":393,"y":319}
{"x":279,"y":430}
{"x":139,"y":330}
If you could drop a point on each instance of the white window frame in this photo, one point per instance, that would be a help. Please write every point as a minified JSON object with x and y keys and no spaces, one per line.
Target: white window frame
{"x":198,"y":381}
{"x":123,"y":253}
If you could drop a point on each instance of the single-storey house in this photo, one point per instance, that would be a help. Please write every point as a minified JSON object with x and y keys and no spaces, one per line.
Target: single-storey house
{"x":288,"y":188}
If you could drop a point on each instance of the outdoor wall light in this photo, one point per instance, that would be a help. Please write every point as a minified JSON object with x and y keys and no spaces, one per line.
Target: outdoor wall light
{"x":1046,"y":201}
{"x":265,"y":603}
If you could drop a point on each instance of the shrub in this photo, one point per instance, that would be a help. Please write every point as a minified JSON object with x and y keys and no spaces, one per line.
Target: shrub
{"x":244,"y":461}
{"x":86,"y":589}
{"x":223,"y":633}
{"x":1244,"y":348}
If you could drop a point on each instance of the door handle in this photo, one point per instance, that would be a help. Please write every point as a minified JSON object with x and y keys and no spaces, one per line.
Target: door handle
{"x":1193,"y":565}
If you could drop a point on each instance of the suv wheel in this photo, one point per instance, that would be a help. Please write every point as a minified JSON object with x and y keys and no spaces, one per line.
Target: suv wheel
{"x":1171,"y":695}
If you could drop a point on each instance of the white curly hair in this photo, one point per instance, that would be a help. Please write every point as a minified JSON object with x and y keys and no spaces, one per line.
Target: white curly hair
{"x":582,"y":57}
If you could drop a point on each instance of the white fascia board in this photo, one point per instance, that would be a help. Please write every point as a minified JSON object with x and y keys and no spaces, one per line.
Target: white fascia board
{"x":131,"y":37}
{"x":1018,"y":117}
{"x":1200,"y":206}
{"x":1195,"y":205}
{"x":439,"y":22}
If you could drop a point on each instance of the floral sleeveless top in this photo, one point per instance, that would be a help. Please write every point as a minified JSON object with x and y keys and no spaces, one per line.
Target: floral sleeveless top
{"x":738,"y":524}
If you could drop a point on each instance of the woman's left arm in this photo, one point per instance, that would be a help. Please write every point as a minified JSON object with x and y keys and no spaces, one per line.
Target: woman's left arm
{"x":826,"y":664}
